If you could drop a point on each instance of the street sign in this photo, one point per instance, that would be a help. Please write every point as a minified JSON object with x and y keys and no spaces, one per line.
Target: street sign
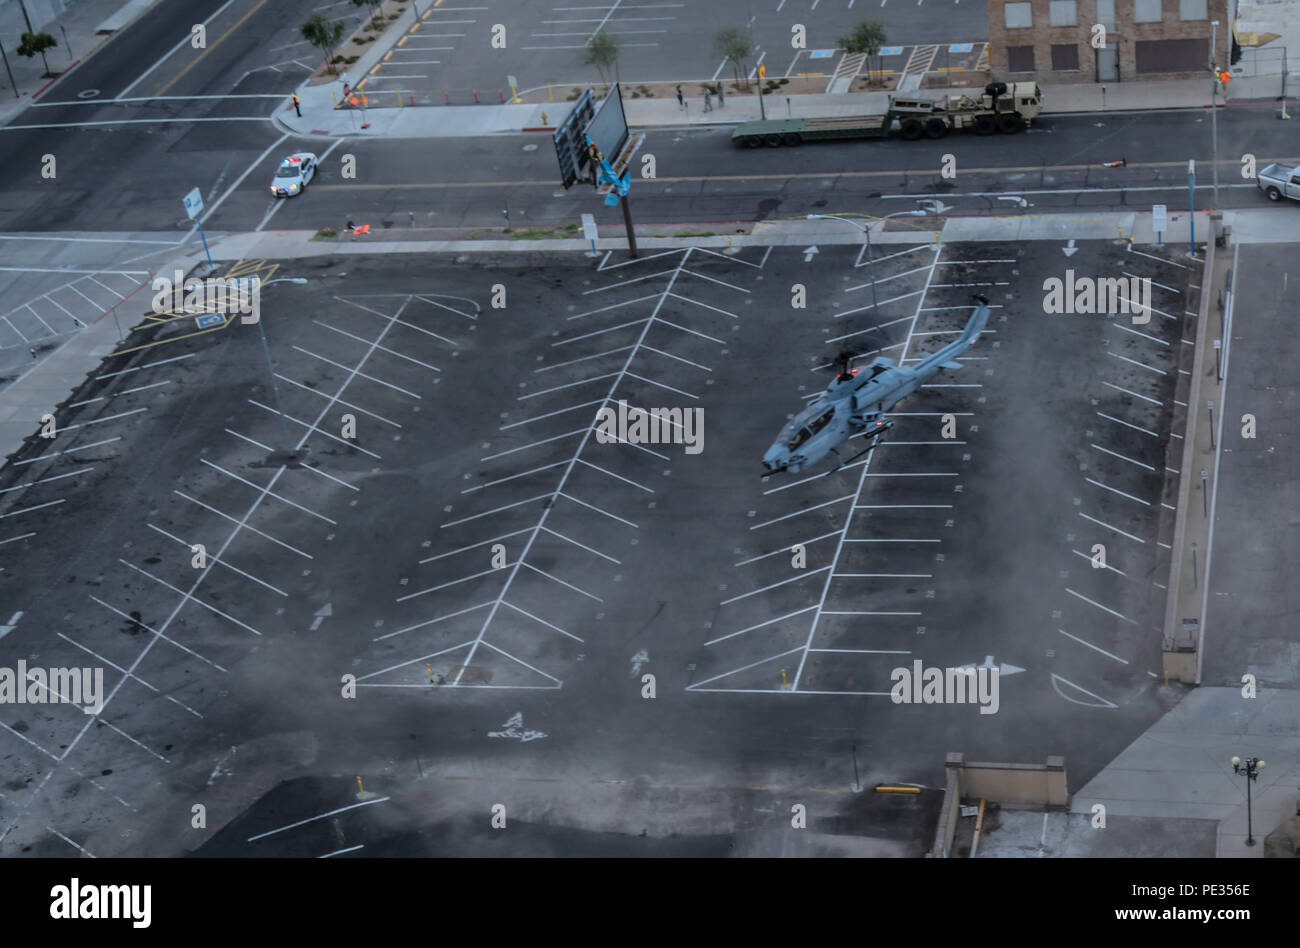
{"x":570,"y":143}
{"x":1159,"y":218}
{"x":589,"y":227}
{"x":511,"y":81}
{"x":608,"y":126}
{"x":193,"y":204}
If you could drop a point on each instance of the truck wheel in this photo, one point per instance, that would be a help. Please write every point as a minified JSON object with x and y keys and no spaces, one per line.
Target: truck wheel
{"x":985,"y":125}
{"x":936,"y":128}
{"x":1010,"y":122}
{"x":773,"y":141}
{"x":1274,"y":194}
{"x":911,"y":129}
{"x":791,"y":138}
{"x":753,"y":141}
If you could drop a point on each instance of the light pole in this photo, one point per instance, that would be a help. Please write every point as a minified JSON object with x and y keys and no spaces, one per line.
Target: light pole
{"x":866,"y":230}
{"x":1214,"y":109}
{"x":284,"y":428}
{"x":1251,"y":767}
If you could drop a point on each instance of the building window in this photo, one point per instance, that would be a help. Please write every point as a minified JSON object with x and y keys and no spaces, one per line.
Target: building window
{"x":1192,"y":10}
{"x":1062,"y":13}
{"x":1019,"y":15}
{"x":1165,"y":56}
{"x":1020,"y":59}
{"x":1146,"y":11}
{"x":1065,"y":57}
{"x":1106,"y":13}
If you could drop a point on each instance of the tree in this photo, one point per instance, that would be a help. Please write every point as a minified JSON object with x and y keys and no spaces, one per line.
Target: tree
{"x":735,"y":45}
{"x":33,"y":43}
{"x":324,"y":34}
{"x":601,"y":51}
{"x":868,"y":37}
{"x":374,"y":7}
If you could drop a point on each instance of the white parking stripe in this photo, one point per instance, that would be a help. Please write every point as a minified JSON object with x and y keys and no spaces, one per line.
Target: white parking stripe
{"x":1134,"y":394}
{"x":265,"y":536}
{"x":1090,"y":602}
{"x":1102,"y":523}
{"x":1126,"y":424}
{"x":1114,"y":491}
{"x":1123,"y":458}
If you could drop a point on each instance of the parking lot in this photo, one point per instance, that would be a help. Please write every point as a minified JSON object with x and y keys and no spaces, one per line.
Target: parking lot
{"x":497,"y":579}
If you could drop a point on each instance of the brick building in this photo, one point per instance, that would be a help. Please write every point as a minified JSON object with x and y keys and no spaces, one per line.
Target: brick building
{"x":1053,"y":40}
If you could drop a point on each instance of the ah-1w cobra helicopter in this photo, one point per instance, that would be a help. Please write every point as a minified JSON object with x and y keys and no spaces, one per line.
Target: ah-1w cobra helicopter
{"x":856,"y":401}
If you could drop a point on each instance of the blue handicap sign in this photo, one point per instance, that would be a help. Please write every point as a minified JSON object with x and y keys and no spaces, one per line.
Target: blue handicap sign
{"x":891,"y":51}
{"x":210,"y":319}
{"x":961,"y":47}
{"x":821,"y":54}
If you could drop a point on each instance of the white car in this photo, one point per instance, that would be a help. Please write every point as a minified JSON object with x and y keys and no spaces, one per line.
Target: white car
{"x":293,"y":175}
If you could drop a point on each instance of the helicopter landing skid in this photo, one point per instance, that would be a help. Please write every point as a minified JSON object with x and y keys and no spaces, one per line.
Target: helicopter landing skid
{"x":874,"y":441}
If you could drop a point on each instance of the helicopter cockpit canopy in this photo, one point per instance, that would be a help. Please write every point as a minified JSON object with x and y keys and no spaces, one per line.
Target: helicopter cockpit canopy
{"x":805,"y":424}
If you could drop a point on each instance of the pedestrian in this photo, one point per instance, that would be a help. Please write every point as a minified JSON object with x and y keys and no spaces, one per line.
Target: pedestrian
{"x":681,"y":99}
{"x":296,"y":100}
{"x":708,"y":100}
{"x":722,"y":98}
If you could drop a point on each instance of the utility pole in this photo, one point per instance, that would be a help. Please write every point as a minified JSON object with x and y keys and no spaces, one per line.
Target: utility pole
{"x":18,"y":95}
{"x":627,"y":222}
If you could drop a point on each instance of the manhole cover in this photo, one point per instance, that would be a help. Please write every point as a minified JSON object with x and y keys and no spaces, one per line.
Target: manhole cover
{"x":530,"y":148}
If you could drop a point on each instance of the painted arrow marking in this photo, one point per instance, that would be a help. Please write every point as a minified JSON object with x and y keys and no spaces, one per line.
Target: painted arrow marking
{"x":1069,"y":249}
{"x":1019,"y":201}
{"x":1003,"y":668}
{"x":809,"y":252}
{"x":512,"y":729}
{"x":639,"y":659}
{"x":323,"y":613}
{"x":11,"y":625}
{"x":935,"y":206}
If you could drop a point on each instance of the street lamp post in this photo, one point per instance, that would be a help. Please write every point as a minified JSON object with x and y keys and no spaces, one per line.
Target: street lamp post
{"x":866,"y":230}
{"x":1214,"y":110}
{"x":275,"y":386}
{"x":1251,"y":767}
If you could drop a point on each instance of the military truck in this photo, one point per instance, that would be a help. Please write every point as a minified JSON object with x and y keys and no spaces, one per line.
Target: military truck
{"x":999,"y":109}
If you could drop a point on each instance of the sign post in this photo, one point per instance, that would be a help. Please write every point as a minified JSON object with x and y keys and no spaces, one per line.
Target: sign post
{"x":193,"y":207}
{"x":590,"y":233}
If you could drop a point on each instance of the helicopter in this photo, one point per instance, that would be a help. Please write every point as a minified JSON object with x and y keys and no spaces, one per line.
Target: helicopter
{"x":856,"y":401}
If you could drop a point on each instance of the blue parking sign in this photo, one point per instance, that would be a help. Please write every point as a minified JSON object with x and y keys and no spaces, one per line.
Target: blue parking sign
{"x":210,"y":319}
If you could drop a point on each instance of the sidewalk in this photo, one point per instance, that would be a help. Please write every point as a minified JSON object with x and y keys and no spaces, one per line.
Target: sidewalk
{"x":76,"y":31}
{"x":389,"y":120}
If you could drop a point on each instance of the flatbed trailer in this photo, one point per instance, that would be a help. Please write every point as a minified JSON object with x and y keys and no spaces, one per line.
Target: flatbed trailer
{"x":773,"y":132}
{"x":1000,"y":109}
